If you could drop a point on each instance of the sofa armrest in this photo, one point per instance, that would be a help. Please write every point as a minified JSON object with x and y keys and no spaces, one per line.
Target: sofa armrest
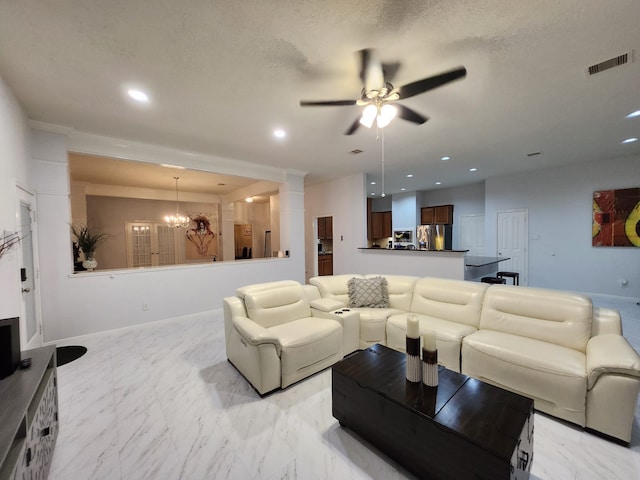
{"x":606,"y":320}
{"x":326,"y":304}
{"x":350,"y":321}
{"x":610,"y":354}
{"x":253,"y":333}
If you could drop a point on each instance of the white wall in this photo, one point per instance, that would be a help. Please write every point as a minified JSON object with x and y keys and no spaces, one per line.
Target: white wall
{"x":466,"y":200}
{"x":344,"y":199}
{"x":405,"y":214}
{"x":14,"y":152}
{"x":89,"y":302}
{"x":560,"y":214}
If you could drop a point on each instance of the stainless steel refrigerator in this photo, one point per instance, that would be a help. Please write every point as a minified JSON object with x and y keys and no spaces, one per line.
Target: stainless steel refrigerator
{"x":434,"y":237}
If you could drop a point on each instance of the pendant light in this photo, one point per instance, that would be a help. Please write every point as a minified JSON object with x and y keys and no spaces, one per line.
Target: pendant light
{"x":177,"y":220}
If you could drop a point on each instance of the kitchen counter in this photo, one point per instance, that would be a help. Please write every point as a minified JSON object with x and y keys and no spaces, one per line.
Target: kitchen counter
{"x":421,"y":250}
{"x":473,"y":261}
{"x":477,"y":267}
{"x":421,"y":263}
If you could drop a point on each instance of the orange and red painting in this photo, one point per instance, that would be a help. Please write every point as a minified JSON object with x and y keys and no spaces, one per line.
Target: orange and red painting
{"x":616,"y":218}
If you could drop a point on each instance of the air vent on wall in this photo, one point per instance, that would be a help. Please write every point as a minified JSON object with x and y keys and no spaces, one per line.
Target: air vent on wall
{"x":355,"y":152}
{"x":607,"y":64}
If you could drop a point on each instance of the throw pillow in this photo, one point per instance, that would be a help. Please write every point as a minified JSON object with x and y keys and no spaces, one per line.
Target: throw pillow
{"x":368,"y":292}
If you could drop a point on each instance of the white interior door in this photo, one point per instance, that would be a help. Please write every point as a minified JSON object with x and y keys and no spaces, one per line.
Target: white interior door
{"x":472,"y":234}
{"x":512,"y":242}
{"x":30,"y":322}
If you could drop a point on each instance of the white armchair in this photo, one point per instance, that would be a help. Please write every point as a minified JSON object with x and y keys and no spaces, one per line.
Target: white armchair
{"x":272,"y":337}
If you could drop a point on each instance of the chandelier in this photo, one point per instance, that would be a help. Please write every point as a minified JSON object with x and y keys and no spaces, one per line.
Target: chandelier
{"x":177,"y":220}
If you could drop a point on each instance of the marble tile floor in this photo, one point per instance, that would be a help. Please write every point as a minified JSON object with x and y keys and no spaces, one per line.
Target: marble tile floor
{"x":160,"y":401}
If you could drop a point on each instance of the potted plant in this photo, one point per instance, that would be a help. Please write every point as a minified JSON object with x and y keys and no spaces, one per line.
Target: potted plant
{"x":89,"y":239}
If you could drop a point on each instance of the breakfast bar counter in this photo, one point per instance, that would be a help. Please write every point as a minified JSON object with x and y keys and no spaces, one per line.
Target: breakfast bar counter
{"x":421,"y":263}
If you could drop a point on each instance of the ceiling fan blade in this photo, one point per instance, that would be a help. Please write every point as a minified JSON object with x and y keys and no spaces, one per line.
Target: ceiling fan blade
{"x":328,"y":103}
{"x":371,"y":70}
{"x":354,"y":126}
{"x":430,"y":83}
{"x":412,"y":116}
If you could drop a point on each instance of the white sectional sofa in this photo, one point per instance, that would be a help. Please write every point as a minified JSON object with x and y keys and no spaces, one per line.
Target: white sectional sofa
{"x":551,"y":346}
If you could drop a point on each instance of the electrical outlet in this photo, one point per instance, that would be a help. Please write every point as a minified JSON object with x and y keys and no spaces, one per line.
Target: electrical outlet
{"x":145,"y":307}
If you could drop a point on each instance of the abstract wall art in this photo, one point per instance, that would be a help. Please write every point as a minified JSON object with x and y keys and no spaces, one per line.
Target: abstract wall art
{"x":616,"y":218}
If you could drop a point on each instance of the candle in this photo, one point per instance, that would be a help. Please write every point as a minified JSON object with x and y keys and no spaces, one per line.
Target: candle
{"x":413,"y":327}
{"x":429,"y":340}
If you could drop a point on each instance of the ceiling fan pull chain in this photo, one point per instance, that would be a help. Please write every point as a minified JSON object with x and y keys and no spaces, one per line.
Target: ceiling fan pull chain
{"x":382,"y":144}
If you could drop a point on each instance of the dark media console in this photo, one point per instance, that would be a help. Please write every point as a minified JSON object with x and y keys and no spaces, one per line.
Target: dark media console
{"x":29,"y":417}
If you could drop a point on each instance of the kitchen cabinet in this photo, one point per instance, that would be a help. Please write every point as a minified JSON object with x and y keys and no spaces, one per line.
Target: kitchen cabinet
{"x":325,"y":228}
{"x":380,"y":225}
{"x":437,"y":215}
{"x":325,"y":264}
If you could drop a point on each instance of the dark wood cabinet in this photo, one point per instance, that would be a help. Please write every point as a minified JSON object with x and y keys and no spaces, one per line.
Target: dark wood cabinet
{"x":380,"y":225}
{"x":29,"y":417}
{"x":437,"y":215}
{"x":325,"y":265}
{"x":325,"y":228}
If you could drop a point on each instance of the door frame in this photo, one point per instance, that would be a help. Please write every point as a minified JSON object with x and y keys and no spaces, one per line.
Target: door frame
{"x":26,"y":196}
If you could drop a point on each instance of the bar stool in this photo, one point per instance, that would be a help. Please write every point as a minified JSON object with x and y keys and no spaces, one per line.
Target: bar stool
{"x":515,"y":276}
{"x":493,"y":280}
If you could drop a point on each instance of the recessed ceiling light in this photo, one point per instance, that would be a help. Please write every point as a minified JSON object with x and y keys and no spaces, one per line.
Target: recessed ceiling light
{"x":438,"y":183}
{"x":629,"y":140}
{"x":249,"y":199}
{"x":410,"y":175}
{"x":403,"y":189}
{"x":179,"y":167}
{"x":372,"y":194}
{"x":373,"y":183}
{"x":445,"y":158}
{"x":634,"y":114}
{"x":138,"y":95}
{"x":279,"y":133}
{"x":473,"y":169}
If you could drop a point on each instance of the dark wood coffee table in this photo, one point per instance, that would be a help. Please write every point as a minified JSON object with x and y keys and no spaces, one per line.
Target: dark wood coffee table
{"x":463,"y":428}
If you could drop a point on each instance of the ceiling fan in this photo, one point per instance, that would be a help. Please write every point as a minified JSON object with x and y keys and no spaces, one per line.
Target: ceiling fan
{"x":379,"y":95}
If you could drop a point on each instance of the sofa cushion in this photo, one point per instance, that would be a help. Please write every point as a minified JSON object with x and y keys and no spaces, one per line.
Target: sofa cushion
{"x":449,"y":336}
{"x":553,"y":375}
{"x":400,"y":288}
{"x":559,"y":318}
{"x":273,"y":306}
{"x":368,"y":292}
{"x":373,"y":324}
{"x":307,"y":344}
{"x":453,"y":300}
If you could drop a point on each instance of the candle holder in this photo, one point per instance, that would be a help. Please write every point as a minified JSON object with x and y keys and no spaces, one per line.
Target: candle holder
{"x":414,"y":373}
{"x":430,"y":367}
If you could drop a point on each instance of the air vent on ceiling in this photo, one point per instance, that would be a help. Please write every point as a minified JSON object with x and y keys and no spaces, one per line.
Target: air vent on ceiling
{"x":355,"y":152}
{"x":607,"y":64}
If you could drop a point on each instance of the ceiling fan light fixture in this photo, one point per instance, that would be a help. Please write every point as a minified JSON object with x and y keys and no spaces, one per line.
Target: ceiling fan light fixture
{"x":387,"y":113}
{"x":369,"y":115}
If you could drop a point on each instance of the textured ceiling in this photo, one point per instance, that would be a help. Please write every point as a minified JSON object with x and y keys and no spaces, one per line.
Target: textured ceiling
{"x":223,"y":74}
